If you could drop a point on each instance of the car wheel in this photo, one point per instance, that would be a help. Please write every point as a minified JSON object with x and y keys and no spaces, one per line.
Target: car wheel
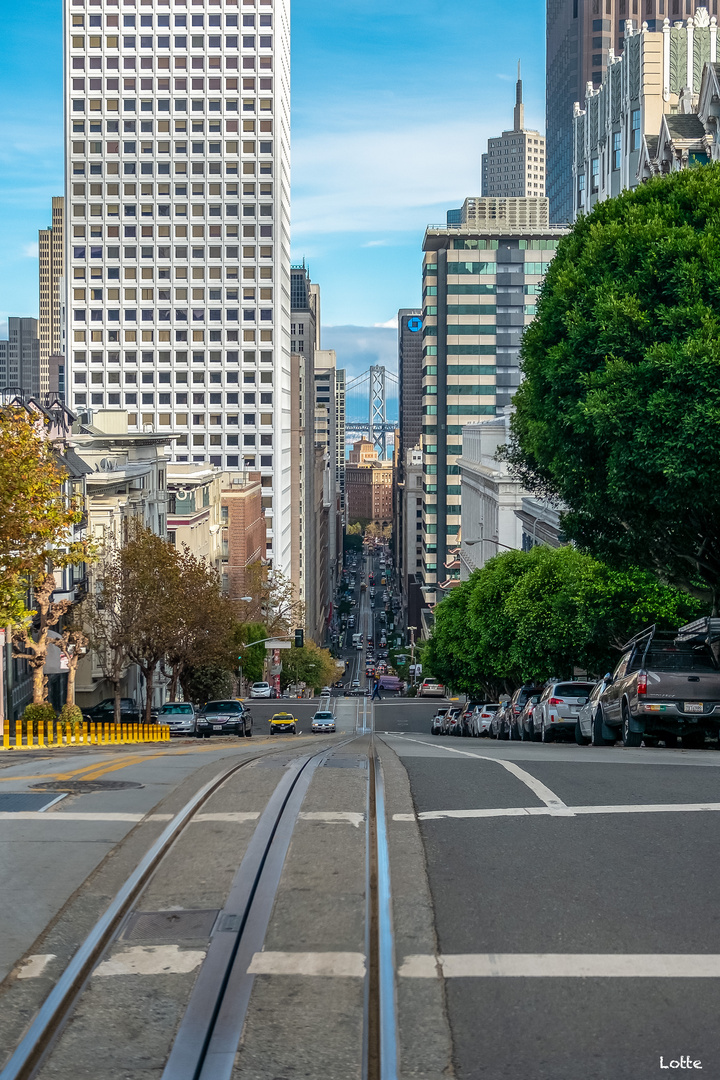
{"x":546,"y":734}
{"x":580,"y":739}
{"x":670,"y":741}
{"x":694,"y":740}
{"x":597,"y":738}
{"x":294,"y":731}
{"x":629,"y":737}
{"x":536,"y":736}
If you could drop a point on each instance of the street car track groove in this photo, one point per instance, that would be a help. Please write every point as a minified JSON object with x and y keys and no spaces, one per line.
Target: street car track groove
{"x":47,"y":1024}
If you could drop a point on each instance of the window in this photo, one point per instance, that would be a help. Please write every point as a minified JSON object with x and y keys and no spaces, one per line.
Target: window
{"x":617,"y":142}
{"x":581,"y":191}
{"x":595,"y":171}
{"x":635,"y":129}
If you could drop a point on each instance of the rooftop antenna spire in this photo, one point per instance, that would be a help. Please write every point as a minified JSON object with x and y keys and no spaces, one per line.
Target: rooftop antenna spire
{"x":519,"y":114}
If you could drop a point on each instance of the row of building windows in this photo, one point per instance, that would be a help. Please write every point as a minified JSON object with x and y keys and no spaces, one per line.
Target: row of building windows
{"x":160,"y":21}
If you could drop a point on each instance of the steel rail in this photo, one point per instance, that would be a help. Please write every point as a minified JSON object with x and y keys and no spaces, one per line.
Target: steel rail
{"x":33,"y":1047}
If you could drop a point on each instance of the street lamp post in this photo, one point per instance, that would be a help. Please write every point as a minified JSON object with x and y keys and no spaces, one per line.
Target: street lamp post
{"x":412,"y":630}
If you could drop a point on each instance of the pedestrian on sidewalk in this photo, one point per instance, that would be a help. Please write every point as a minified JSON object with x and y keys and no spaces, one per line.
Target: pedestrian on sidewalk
{"x":376,"y":690}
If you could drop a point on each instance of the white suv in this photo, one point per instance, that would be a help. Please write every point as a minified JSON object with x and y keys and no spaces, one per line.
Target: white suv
{"x":260,"y":689}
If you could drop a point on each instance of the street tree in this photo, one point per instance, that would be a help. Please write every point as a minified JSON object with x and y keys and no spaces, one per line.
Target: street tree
{"x":108,"y":622}
{"x":311,"y":665}
{"x":550,"y":611}
{"x":273,"y":600}
{"x":251,"y":661}
{"x":618,"y":414}
{"x":202,"y":633}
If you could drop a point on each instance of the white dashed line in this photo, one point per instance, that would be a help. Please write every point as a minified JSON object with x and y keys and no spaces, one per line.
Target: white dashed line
{"x":34,"y":966}
{"x":151,"y":960}
{"x":566,"y":811}
{"x":333,"y":964}
{"x":333,"y":817}
{"x":562,"y":966}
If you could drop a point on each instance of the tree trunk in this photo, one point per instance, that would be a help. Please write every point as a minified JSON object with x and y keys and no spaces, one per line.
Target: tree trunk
{"x":149,"y":676}
{"x":116,"y":707}
{"x":72,"y":671}
{"x":174,"y":679}
{"x":39,"y":684}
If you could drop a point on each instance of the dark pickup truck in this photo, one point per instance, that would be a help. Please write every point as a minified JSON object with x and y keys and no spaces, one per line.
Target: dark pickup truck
{"x":129,"y":712}
{"x":666,"y":686}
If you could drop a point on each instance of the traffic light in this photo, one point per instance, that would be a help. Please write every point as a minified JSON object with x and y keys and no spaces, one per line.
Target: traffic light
{"x":299,"y":639}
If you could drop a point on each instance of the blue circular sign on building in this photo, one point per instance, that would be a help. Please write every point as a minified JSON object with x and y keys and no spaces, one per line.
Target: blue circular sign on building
{"x":414,"y":323}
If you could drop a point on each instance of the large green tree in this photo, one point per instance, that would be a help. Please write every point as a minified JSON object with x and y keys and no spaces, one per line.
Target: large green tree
{"x":618,"y":414}
{"x":549,"y":611}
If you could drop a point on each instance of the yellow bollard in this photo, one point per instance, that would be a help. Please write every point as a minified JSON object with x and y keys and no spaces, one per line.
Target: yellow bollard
{"x":6,"y":734}
{"x":95,"y":733}
{"x":18,"y":734}
{"x":41,"y":735}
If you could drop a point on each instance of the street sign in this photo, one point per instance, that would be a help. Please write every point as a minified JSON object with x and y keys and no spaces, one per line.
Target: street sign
{"x":278,"y":644}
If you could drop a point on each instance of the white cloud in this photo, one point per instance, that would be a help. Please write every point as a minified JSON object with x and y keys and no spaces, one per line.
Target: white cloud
{"x":31,"y":251}
{"x":391,"y":324}
{"x":384,"y":180}
{"x":375,"y":243}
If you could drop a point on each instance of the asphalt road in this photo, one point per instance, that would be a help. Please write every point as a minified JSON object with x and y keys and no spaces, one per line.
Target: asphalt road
{"x":633,"y":872}
{"x":554,"y":907}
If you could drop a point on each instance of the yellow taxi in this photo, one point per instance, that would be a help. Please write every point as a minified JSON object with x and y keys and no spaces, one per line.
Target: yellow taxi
{"x":283,"y":721}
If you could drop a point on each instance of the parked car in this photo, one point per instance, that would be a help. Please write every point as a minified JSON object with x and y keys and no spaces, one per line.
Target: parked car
{"x":224,"y":718}
{"x":105,"y":710}
{"x":260,"y":690}
{"x":437,"y":722}
{"x":481,"y":719}
{"x":452,"y":720}
{"x":497,"y":729}
{"x":526,"y":719}
{"x":179,"y":717}
{"x":558,"y":709}
{"x":665,"y":687}
{"x":510,"y":729}
{"x":466,"y":716}
{"x":323,"y":721}
{"x":586,"y":730}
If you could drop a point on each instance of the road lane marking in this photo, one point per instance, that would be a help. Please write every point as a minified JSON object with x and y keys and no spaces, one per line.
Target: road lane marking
{"x":34,"y":966}
{"x":151,"y":960}
{"x":537,"y":787}
{"x":569,"y":811}
{"x":333,"y":817}
{"x":332,"y":964}
{"x":234,"y":815}
{"x":563,"y":966}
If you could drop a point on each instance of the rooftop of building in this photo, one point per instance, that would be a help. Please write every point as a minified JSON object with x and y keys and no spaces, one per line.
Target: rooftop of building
{"x":496,"y":216}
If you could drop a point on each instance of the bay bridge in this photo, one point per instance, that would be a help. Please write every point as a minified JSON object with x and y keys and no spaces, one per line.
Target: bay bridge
{"x":372,"y":388}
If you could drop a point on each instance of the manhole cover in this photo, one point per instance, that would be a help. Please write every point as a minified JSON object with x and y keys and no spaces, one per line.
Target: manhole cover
{"x":79,"y":787}
{"x":159,"y":926}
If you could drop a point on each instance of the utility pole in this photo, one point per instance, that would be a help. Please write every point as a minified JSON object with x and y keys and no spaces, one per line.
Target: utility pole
{"x":412,"y":630}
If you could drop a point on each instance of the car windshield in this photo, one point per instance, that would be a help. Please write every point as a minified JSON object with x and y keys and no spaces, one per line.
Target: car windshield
{"x":176,"y":709}
{"x":260,"y":685}
{"x":574,"y":689}
{"x":223,"y":707}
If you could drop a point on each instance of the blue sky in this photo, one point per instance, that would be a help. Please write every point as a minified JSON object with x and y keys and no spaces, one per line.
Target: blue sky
{"x":393,"y":101}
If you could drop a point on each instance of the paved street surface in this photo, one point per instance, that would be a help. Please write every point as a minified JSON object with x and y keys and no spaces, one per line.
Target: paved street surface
{"x":554,"y":908}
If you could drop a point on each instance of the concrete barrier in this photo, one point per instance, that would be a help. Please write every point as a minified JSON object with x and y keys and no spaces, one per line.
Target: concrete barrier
{"x":43,"y":736}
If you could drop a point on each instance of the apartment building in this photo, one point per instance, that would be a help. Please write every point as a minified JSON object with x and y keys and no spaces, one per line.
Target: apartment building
{"x":20,"y":358}
{"x":177,"y":236}
{"x":480,"y":283}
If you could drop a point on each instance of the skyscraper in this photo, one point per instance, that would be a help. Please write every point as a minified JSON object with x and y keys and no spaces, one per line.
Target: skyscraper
{"x":51,"y":245}
{"x":515,"y":162}
{"x":480,"y":280}
{"x":409,"y":379}
{"x":177,"y":252}
{"x":20,"y":357}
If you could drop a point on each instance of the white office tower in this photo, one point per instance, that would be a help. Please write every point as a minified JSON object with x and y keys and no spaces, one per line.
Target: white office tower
{"x":178,"y":196}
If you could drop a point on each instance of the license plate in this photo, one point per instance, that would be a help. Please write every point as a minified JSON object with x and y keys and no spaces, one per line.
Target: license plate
{"x":217,"y":727}
{"x":693,"y":706}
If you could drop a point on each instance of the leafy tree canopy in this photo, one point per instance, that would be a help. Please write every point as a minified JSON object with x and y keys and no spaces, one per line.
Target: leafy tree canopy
{"x":618,"y":414}
{"x":532,"y":615}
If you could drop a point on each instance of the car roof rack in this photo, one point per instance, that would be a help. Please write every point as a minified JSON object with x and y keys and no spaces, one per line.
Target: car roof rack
{"x":649,"y":632}
{"x":705,"y":630}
